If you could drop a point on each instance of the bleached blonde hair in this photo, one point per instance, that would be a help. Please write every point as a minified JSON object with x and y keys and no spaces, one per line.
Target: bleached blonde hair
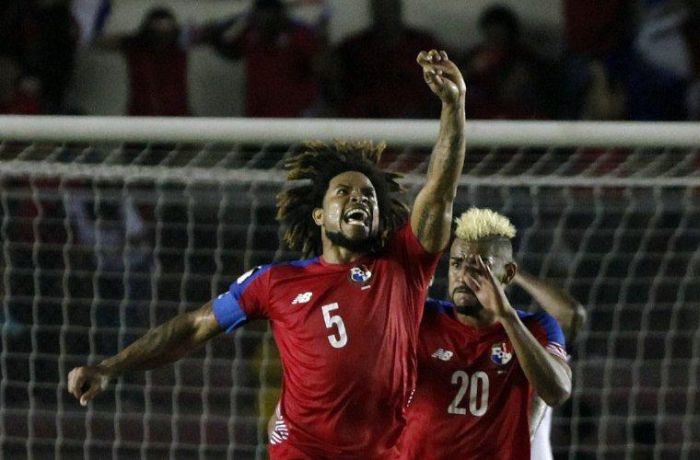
{"x":477,"y":224}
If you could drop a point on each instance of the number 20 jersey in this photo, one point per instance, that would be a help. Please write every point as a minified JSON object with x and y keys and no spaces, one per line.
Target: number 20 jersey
{"x":347,"y":336}
{"x":472,"y":399}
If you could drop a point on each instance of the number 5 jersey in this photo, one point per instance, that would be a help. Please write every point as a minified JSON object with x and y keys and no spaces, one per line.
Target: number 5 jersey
{"x":347,"y":336}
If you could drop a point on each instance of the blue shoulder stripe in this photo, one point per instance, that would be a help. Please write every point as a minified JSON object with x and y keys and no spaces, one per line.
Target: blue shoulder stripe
{"x":439,"y":306}
{"x":237,"y":288}
{"x":550,"y":325}
{"x":301,"y":263}
{"x":227,"y":308}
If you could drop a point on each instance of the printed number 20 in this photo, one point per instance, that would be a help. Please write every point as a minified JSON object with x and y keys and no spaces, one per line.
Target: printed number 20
{"x":477,"y":406}
{"x":340,"y":339}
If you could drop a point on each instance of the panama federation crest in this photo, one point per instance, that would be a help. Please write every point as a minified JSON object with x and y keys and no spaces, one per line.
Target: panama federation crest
{"x":360,"y":274}
{"x":501,"y":353}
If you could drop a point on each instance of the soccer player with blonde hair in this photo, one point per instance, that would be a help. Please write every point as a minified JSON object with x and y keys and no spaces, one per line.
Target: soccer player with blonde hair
{"x":480,"y":360}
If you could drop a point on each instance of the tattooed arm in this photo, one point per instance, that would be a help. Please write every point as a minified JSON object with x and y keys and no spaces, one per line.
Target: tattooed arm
{"x":161,"y":345}
{"x":431,"y":217}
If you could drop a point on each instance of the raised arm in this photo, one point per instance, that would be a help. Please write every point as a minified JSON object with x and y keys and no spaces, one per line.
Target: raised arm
{"x":161,"y":345}
{"x":225,"y":36}
{"x":550,"y":376}
{"x":431,"y":217}
{"x":568,"y":312}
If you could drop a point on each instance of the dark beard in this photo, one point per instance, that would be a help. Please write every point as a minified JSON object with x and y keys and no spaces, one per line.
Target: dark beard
{"x":364,"y":246}
{"x":469,"y":310}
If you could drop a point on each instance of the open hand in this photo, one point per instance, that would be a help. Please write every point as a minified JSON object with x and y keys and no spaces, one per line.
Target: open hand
{"x":486,"y":288}
{"x":442,"y":76}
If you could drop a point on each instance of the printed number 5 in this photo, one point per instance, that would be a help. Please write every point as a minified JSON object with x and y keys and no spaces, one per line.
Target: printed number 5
{"x":341,"y":339}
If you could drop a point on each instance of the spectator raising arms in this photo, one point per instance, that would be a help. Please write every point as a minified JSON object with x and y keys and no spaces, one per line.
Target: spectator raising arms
{"x":279,"y":55}
{"x":156,"y":64}
{"x":507,"y":79}
{"x":376,"y":68}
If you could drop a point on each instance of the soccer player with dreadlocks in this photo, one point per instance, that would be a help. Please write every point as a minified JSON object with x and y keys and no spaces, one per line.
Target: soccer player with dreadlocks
{"x":346,"y":318}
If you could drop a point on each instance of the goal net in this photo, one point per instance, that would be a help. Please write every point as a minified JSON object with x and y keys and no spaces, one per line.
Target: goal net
{"x":111,"y":226}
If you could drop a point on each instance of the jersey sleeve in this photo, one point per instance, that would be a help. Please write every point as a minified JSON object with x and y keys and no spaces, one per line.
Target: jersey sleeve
{"x":246,"y":299}
{"x":438,"y":306}
{"x":548,"y":332}
{"x":405,"y":247}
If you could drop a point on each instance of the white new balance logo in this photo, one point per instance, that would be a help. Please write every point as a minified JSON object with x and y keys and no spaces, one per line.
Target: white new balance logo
{"x":302,"y":298}
{"x":443,"y":355}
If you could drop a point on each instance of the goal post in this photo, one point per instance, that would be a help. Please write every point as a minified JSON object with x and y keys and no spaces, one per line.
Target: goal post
{"x":111,"y":225}
{"x":394,"y":132}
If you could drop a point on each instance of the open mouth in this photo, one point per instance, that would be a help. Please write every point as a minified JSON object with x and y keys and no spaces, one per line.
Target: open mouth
{"x":356,"y":216}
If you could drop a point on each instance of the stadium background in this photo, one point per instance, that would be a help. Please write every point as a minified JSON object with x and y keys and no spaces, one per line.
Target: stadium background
{"x":103,"y":238}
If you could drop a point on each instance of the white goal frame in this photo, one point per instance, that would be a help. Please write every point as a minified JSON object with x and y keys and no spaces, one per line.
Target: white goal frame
{"x":417,"y":133}
{"x":496,"y":133}
{"x":669,"y":155}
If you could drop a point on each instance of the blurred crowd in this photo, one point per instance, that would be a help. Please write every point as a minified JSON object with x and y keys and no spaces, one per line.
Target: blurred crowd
{"x":622,"y":60}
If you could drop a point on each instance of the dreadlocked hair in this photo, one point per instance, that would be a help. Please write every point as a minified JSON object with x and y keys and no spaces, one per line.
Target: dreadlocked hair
{"x":316,"y":166}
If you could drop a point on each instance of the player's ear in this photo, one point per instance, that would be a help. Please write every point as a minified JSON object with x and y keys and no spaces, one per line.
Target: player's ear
{"x":317,"y":215}
{"x":511,"y":268}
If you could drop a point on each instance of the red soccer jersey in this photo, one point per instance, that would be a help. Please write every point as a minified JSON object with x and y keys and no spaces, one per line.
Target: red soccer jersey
{"x":380,"y":79}
{"x":473,"y":399}
{"x":157,"y":80}
{"x":347,"y":335}
{"x":280,"y":80}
